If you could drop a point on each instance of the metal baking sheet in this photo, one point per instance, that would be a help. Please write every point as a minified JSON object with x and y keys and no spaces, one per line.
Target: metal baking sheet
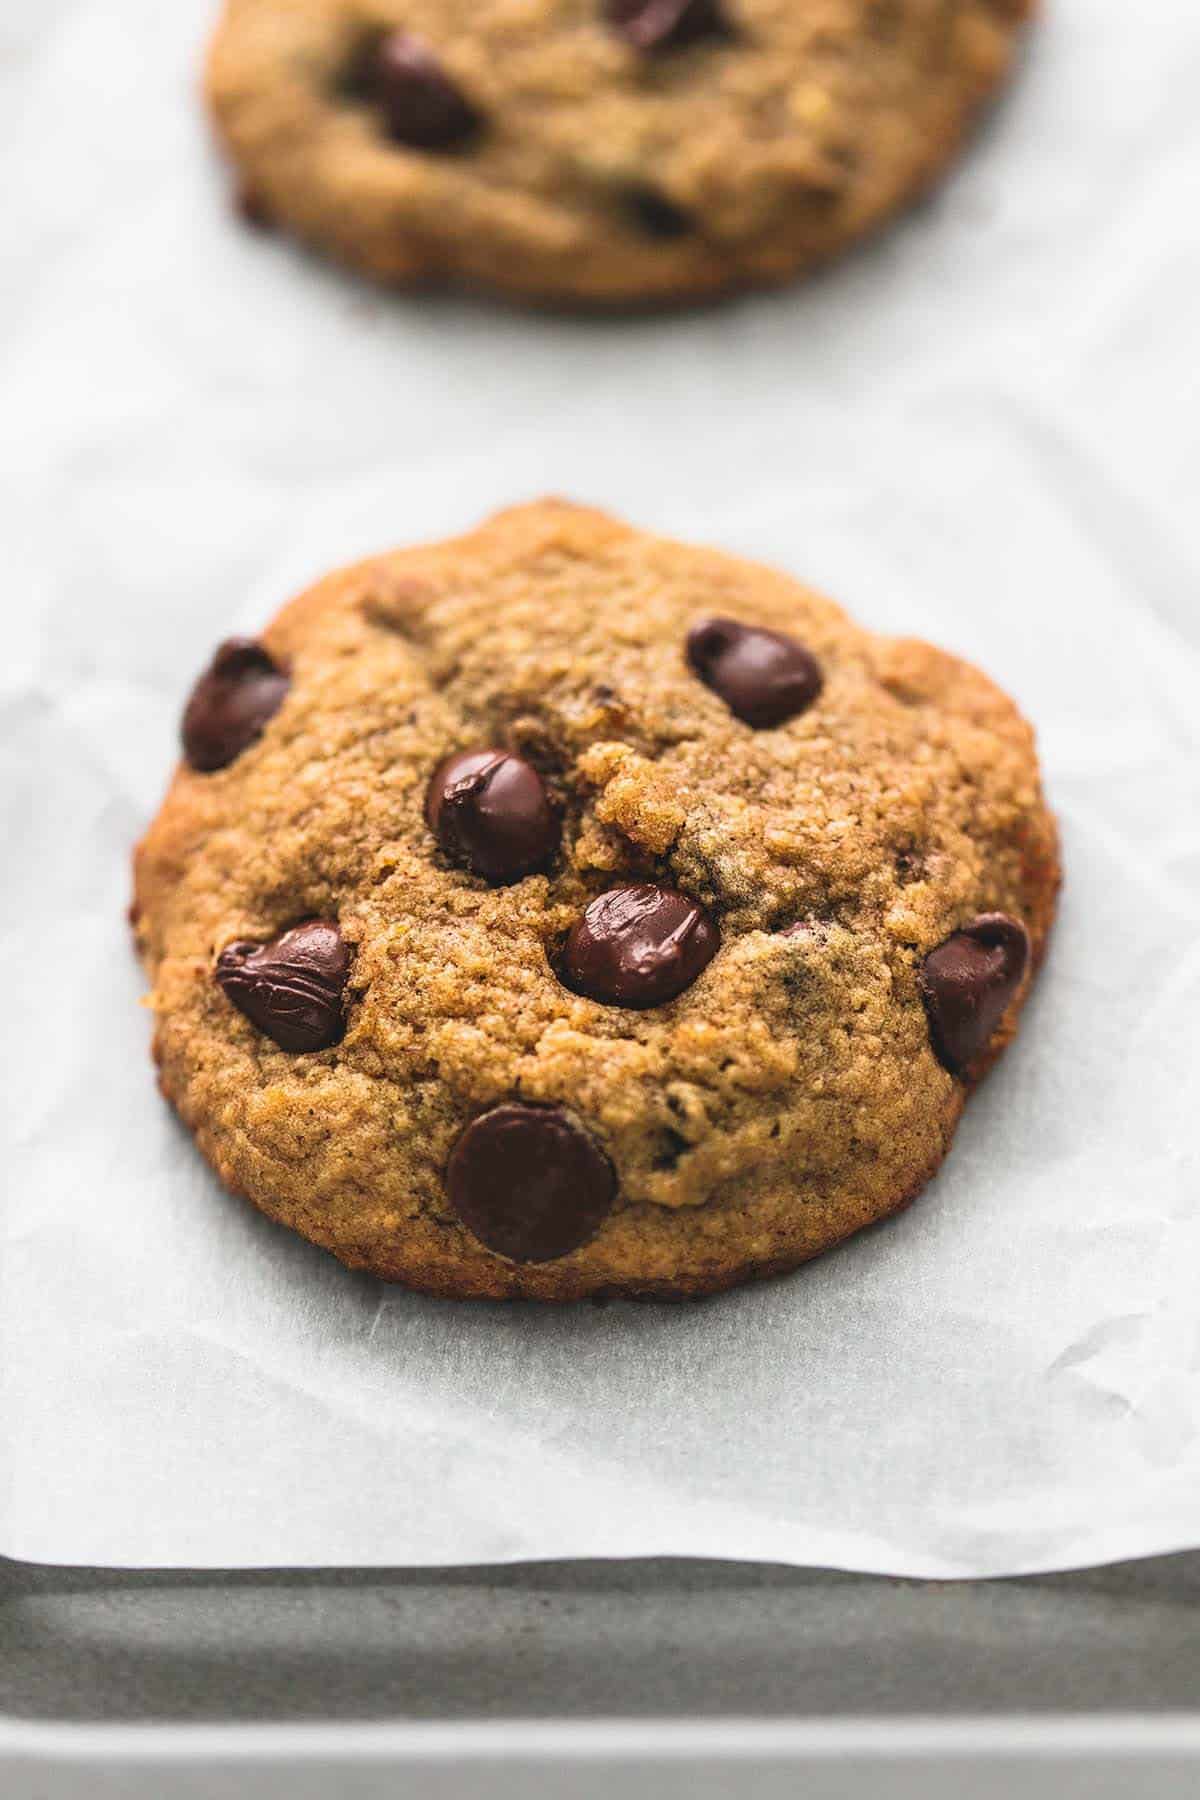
{"x":472,"y":1681}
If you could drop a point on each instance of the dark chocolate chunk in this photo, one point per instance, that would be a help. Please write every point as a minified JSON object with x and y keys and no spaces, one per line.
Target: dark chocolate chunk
{"x":251,"y":208}
{"x":291,"y":988}
{"x":423,"y":106}
{"x":231,"y":703}
{"x":763,"y":677}
{"x":967,"y":984}
{"x":664,"y":24}
{"x":638,"y":946}
{"x":490,"y":810}
{"x":530,"y":1183}
{"x":656,"y":215}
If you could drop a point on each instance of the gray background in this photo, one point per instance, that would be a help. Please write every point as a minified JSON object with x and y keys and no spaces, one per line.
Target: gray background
{"x":592,"y":1640}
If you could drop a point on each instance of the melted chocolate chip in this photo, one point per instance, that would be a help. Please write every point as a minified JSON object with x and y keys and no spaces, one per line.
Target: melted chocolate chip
{"x":490,"y":810}
{"x":421,"y":103}
{"x":292,"y":988}
{"x":231,"y":703}
{"x":638,"y":946}
{"x":664,"y":24}
{"x":763,"y":677}
{"x":967,"y":984}
{"x":654,"y":214}
{"x":529,"y":1183}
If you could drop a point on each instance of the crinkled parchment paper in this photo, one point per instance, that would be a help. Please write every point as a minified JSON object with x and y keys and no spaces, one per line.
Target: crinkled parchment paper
{"x":983,"y":429}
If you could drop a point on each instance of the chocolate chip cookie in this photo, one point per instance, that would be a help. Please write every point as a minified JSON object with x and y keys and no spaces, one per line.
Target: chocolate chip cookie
{"x":563,"y":911}
{"x":597,"y":150}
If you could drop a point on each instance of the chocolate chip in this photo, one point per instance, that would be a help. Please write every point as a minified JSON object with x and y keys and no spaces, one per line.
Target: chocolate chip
{"x":422,"y":105}
{"x":763,"y":677}
{"x":654,"y":214}
{"x":292,"y":988}
{"x":967,"y":984}
{"x":490,"y":810}
{"x":231,"y":703}
{"x":663,"y":24}
{"x":529,"y":1183}
{"x":638,"y":946}
{"x":251,"y":208}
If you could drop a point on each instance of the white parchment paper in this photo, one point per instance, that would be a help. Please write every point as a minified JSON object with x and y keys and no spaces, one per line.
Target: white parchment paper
{"x":985,"y":429}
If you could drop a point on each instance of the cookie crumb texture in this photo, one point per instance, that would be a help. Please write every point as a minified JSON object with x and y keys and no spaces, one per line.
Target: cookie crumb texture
{"x":597,"y":151}
{"x":646,"y":999}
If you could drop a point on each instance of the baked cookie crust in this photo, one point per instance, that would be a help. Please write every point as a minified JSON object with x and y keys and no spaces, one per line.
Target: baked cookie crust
{"x":761,"y":1046}
{"x":597,"y":151}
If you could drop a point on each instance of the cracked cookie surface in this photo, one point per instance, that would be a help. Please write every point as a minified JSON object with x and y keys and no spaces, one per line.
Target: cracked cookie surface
{"x":597,"y":151}
{"x":722,"y":1004}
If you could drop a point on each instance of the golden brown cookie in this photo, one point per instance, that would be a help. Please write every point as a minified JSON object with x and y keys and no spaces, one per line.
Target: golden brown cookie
{"x":561,"y":910}
{"x":597,"y":150}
